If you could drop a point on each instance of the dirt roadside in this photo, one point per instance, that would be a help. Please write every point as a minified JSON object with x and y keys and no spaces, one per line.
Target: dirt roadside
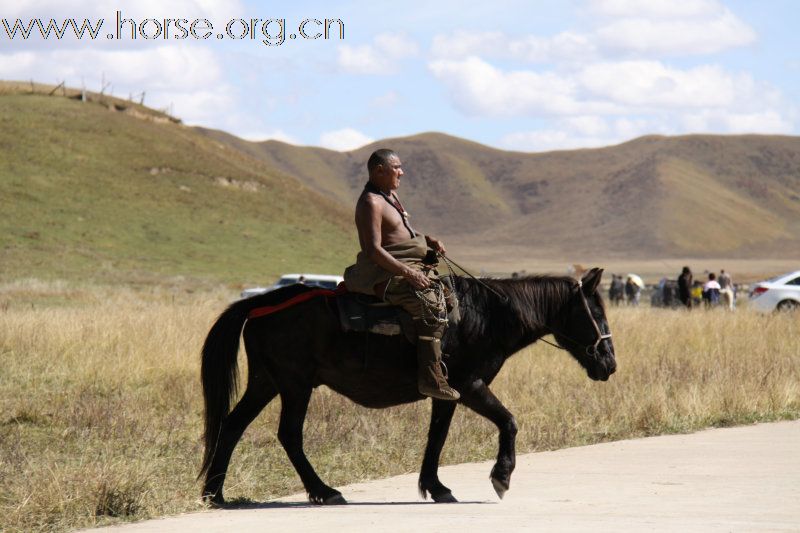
{"x":733,"y":479}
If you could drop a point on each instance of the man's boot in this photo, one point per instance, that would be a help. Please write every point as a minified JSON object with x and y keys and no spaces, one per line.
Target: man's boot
{"x":430,"y":380}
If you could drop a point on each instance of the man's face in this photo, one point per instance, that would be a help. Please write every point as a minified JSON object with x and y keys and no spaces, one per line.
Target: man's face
{"x":389,"y":175}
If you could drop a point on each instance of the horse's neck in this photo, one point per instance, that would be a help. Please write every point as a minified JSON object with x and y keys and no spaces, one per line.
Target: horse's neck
{"x":543,"y":309}
{"x":534,"y":305}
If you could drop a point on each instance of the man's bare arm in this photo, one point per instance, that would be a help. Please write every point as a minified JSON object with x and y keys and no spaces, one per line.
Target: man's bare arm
{"x":368,"y":221}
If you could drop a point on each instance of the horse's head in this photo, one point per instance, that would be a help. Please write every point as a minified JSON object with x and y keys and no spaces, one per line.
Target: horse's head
{"x":585,"y":332}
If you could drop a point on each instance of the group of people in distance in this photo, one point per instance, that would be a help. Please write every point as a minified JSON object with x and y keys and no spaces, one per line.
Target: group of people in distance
{"x":714,"y":291}
{"x":628,"y":291}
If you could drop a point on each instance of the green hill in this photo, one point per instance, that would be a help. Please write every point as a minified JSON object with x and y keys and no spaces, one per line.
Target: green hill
{"x":89,"y":190}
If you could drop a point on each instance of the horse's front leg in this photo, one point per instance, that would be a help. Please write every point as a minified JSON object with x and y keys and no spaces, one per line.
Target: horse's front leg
{"x":441,"y":416}
{"x":481,"y":400}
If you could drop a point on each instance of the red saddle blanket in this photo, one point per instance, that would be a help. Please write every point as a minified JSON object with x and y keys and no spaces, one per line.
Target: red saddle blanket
{"x":303,"y":297}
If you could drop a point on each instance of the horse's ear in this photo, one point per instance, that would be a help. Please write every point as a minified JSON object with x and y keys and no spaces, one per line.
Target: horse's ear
{"x":591,"y":280}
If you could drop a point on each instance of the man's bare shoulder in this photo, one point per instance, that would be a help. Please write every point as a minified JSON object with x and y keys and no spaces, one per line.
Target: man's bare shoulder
{"x":369,"y":202}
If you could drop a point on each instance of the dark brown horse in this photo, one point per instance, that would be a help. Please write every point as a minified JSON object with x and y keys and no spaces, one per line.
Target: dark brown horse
{"x":301,"y":347}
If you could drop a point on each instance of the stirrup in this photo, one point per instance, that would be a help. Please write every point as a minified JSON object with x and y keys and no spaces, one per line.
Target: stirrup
{"x":445,"y":373}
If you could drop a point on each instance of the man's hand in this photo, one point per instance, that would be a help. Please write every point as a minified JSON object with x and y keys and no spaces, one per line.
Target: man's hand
{"x":436,"y":244}
{"x":417,"y":279}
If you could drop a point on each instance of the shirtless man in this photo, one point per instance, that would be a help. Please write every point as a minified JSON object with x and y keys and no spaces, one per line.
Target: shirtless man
{"x":390,"y":266}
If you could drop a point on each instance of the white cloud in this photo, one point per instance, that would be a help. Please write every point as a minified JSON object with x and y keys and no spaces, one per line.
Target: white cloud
{"x":380,"y":57}
{"x":728,"y":121}
{"x":202,"y":107}
{"x":546,"y":140}
{"x":700,"y":36}
{"x":588,"y":125}
{"x":628,"y":128}
{"x":361,"y":60}
{"x":268,"y":135}
{"x":652,"y":84}
{"x":654,"y":8}
{"x":618,"y":28}
{"x":478,"y":88}
{"x":187,"y":80}
{"x":396,"y":45}
{"x":580,"y":132}
{"x":177,"y":68}
{"x":595,"y":131}
{"x":565,"y":46}
{"x":463,"y":43}
{"x":608,"y":103}
{"x":605,"y":85}
{"x":344,"y":140}
{"x":667,"y":27}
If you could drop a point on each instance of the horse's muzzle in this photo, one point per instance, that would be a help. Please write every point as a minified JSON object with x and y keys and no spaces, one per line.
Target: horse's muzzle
{"x":602,"y":369}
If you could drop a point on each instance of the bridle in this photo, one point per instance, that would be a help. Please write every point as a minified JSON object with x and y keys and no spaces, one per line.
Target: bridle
{"x":591,"y":349}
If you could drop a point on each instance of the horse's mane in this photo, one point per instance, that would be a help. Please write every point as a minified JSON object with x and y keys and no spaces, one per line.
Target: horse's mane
{"x":532,"y":300}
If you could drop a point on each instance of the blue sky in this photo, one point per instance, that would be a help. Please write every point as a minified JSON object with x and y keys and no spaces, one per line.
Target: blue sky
{"x":532,"y":76}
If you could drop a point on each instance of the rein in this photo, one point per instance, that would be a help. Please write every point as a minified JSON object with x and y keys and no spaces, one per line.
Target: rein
{"x":450,"y":263}
{"x":591,"y":349}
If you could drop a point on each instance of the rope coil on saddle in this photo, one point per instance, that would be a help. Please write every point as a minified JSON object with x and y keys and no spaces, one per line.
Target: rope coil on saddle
{"x":433,"y":301}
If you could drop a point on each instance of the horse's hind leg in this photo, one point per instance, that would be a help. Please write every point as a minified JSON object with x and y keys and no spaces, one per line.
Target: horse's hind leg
{"x":441,"y":416}
{"x":258,"y":394}
{"x":294,"y":405}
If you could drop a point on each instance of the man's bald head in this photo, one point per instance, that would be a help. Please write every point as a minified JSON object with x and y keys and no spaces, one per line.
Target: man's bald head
{"x":379,"y":157}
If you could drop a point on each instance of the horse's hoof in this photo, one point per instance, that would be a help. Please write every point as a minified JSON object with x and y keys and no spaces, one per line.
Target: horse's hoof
{"x":215,"y":501}
{"x":500,"y":487}
{"x":445,"y":497}
{"x":336,"y":499}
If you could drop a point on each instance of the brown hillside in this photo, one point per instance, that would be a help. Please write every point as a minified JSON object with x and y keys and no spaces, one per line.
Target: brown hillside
{"x":653,"y":196}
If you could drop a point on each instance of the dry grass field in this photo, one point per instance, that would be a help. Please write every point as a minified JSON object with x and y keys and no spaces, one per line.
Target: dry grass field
{"x":100,"y":401}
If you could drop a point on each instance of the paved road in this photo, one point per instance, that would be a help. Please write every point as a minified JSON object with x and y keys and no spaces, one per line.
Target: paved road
{"x":736,"y":479}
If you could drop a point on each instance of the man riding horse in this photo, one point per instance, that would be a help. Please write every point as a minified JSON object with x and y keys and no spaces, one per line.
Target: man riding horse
{"x":396,"y":264}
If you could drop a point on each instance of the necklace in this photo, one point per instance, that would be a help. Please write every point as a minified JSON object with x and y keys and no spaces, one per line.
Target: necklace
{"x":394,"y":202}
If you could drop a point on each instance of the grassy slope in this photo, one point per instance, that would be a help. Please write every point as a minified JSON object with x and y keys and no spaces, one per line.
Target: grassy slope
{"x":88,"y":192}
{"x":729,"y":222}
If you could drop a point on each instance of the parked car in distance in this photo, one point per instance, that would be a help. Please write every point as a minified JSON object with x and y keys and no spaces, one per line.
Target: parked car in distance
{"x":312,"y":280}
{"x":665,"y":294}
{"x":777,"y":294}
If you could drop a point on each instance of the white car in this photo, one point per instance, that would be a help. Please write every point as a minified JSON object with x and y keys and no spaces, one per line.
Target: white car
{"x":313,"y":280}
{"x":781,"y":293}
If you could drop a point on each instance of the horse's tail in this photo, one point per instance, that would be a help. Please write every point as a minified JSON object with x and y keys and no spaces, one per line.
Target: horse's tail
{"x":220,"y":372}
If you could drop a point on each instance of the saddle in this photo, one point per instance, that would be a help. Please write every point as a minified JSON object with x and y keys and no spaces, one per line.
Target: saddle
{"x":365,"y":313}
